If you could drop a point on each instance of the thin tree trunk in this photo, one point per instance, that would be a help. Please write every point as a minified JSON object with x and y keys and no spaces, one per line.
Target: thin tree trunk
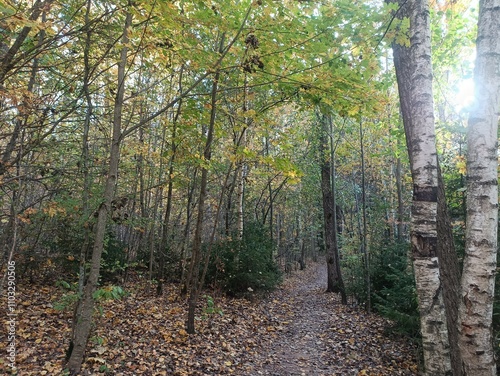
{"x":190,"y":206}
{"x":271,"y":203}
{"x":84,"y":165}
{"x":335,"y":282}
{"x":194,"y":270}
{"x":242,"y":168}
{"x":83,"y":323}
{"x":240,"y":198}
{"x":364,"y":243}
{"x":399,"y":188}
{"x":85,"y":153}
{"x":170,"y":189}
{"x":478,"y":277}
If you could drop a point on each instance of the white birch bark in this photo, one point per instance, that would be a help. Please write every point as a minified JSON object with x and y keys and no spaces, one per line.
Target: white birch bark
{"x":478,"y":277}
{"x":422,"y":149}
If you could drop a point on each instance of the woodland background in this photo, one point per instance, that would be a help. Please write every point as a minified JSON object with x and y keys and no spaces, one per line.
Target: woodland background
{"x":220,"y":106}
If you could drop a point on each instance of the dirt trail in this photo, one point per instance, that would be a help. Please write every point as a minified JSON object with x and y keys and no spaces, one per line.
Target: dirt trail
{"x":314,"y":335}
{"x":297,"y":330}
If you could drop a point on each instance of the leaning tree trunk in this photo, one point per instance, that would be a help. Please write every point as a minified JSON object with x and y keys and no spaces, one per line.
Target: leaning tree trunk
{"x":478,"y":277}
{"x":414,"y":75}
{"x":83,"y":321}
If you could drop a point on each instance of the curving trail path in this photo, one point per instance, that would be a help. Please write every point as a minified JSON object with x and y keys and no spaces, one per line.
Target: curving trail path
{"x":312,"y":334}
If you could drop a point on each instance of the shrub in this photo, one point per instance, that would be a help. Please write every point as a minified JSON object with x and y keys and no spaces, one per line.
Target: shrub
{"x":394,"y":290}
{"x":239,"y":266}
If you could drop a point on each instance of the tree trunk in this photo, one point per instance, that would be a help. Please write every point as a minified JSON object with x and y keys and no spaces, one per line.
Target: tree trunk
{"x":242,"y":168}
{"x":414,"y":76}
{"x":240,"y":199}
{"x":194,"y":269}
{"x":450,"y":274}
{"x":335,"y":282}
{"x":399,"y":189}
{"x":170,"y":190}
{"x":83,"y":322}
{"x":364,"y":243}
{"x":84,"y":166}
{"x":478,"y":277}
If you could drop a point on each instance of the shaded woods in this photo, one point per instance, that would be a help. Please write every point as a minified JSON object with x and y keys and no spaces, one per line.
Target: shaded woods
{"x":166,"y":166}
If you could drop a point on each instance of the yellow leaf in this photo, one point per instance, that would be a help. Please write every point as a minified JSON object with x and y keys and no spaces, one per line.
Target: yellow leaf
{"x":49,"y":367}
{"x":97,"y":360}
{"x":174,"y":311}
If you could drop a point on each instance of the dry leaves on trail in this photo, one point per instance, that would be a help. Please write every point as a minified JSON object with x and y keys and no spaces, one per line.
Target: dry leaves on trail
{"x":296,"y":330}
{"x":319,"y":336}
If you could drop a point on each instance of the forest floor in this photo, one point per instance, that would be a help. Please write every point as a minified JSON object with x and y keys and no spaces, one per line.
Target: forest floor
{"x":296,"y":330}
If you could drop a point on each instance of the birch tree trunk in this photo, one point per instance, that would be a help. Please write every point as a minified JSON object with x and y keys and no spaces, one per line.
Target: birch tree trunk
{"x":478,"y":277}
{"x":414,"y":74}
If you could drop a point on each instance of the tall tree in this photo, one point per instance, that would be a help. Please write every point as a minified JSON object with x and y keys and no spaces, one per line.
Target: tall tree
{"x":83,"y":321}
{"x":414,"y":76}
{"x":335,"y":282}
{"x":478,"y":277}
{"x":196,"y":258}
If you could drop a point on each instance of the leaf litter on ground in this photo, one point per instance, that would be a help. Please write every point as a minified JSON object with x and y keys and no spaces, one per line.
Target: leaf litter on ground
{"x":295,"y":330}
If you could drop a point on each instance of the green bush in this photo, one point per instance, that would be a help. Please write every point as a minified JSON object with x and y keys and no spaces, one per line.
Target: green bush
{"x":70,"y":297}
{"x":239,"y":266}
{"x":354,"y":277}
{"x":114,"y":258}
{"x":394,"y":290}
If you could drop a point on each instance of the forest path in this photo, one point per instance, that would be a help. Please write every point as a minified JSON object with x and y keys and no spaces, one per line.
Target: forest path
{"x":315,"y":335}
{"x":296,"y":330}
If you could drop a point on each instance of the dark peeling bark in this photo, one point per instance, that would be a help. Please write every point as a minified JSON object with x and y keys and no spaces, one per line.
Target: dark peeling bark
{"x":449,"y":269}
